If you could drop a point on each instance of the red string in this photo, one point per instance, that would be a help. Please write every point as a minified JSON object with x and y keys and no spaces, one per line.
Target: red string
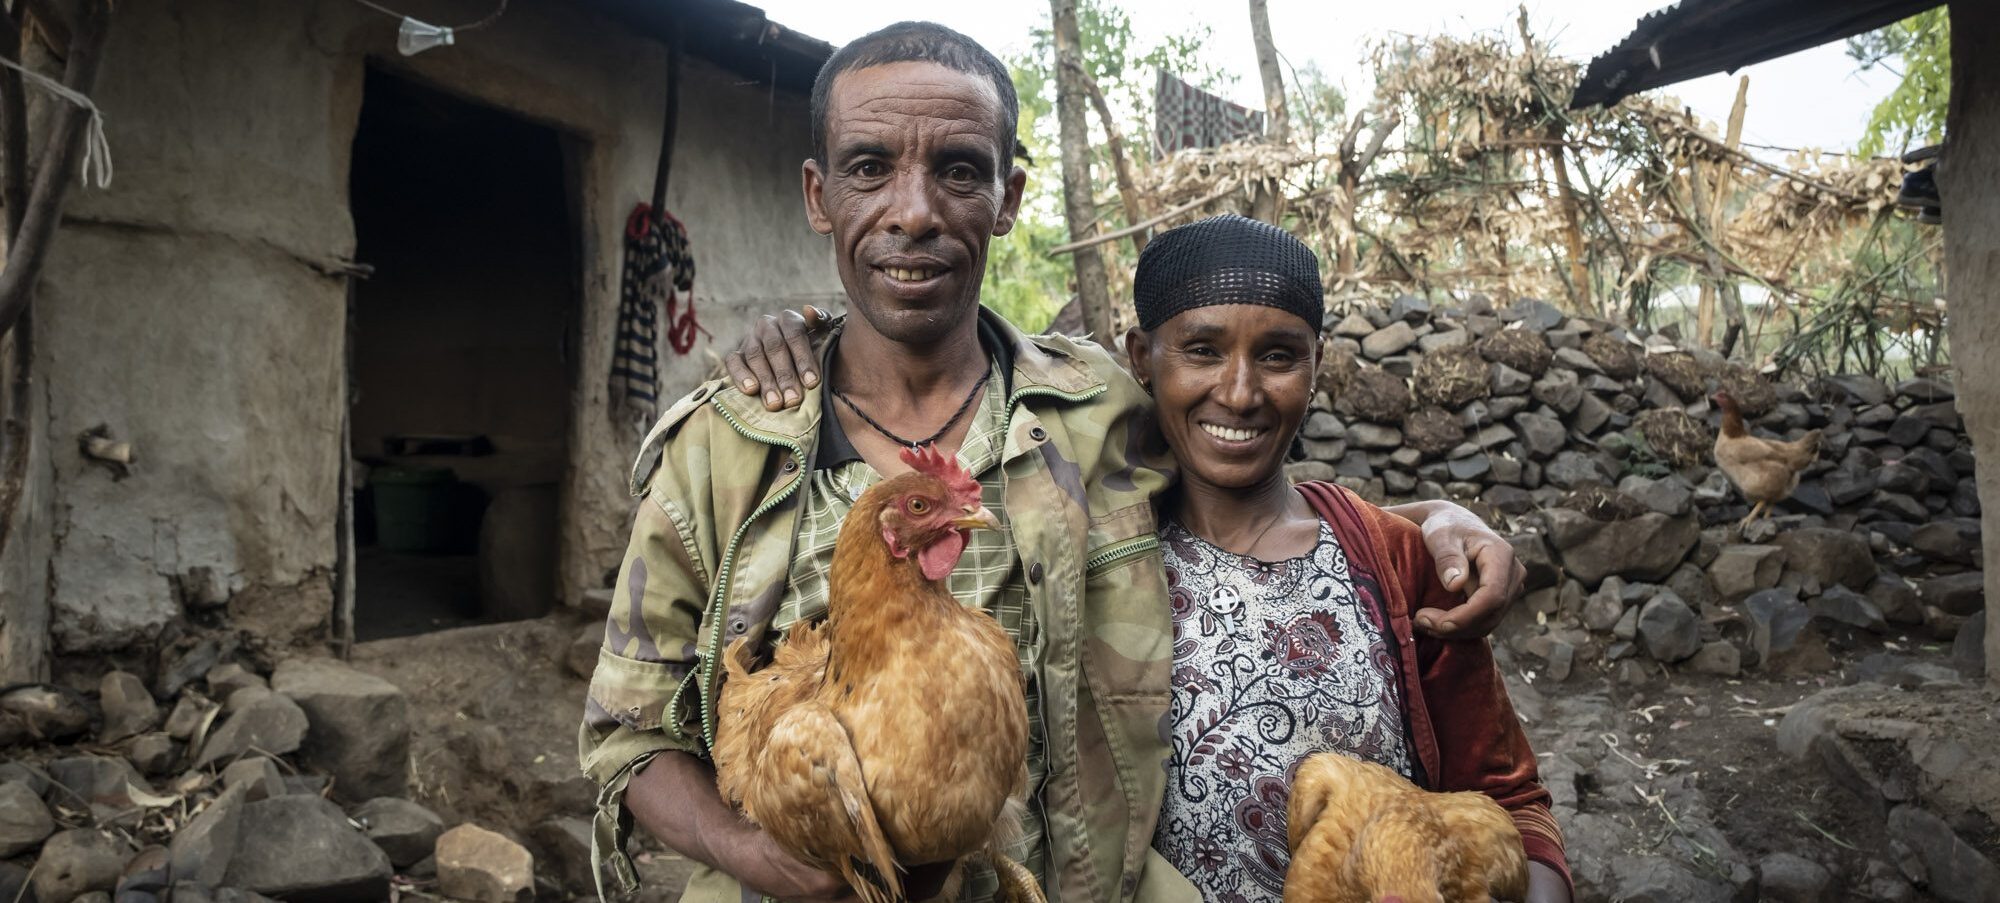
{"x":681,"y":326}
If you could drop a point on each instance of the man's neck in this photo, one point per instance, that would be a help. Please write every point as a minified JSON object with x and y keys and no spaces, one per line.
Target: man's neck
{"x":900,"y":377}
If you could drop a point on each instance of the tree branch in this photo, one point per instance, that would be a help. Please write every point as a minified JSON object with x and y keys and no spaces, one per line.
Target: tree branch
{"x":1114,"y":140}
{"x":1096,"y":240}
{"x":13,"y":130}
{"x":30,"y":249}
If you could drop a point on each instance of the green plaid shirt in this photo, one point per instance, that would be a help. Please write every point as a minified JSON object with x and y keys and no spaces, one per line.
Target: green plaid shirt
{"x":988,"y":576}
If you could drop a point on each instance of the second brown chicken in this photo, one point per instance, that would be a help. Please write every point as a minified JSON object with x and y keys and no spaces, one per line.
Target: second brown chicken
{"x":1361,"y":833}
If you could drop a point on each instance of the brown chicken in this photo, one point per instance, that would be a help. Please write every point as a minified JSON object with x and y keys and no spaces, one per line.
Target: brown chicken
{"x":1361,"y":833}
{"x":1766,"y":470}
{"x":893,"y":734}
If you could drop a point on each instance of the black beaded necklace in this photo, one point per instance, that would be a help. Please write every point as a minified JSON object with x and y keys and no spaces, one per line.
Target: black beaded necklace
{"x":963,"y":406}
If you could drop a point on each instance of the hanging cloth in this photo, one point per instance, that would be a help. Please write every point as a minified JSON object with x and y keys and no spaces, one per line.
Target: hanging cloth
{"x":1187,"y":117}
{"x":657,"y":285}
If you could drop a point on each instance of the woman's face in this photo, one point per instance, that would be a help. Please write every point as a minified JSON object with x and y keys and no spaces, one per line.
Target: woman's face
{"x":1232,"y":382}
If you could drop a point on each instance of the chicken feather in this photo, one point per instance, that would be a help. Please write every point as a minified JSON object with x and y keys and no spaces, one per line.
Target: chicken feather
{"x":1360,"y":832}
{"x":1766,"y":471}
{"x":894,"y":734}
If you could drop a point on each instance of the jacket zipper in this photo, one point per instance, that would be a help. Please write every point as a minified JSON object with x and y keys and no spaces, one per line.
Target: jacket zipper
{"x":714,"y":651}
{"x":1121,"y":550}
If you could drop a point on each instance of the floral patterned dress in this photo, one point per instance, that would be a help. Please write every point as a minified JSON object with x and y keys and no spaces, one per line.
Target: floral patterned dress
{"x":1273,"y":662}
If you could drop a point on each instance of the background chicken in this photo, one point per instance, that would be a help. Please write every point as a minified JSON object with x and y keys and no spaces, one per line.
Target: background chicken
{"x":1766,"y":470}
{"x":894,"y":733}
{"x":1359,"y":832}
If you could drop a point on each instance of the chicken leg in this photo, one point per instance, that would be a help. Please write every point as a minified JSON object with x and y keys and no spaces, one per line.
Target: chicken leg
{"x":1761,"y":508}
{"x":1017,"y":884}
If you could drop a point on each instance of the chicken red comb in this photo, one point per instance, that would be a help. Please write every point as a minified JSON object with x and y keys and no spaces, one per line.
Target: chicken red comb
{"x":926,"y":459}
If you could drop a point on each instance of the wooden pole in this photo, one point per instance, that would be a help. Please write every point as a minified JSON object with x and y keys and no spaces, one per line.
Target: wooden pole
{"x":30,"y":249}
{"x":1078,"y":196}
{"x":1268,"y":203}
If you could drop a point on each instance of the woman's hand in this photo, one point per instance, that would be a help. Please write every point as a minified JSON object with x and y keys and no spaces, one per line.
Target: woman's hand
{"x":776,"y":359}
{"x":1470,"y":557}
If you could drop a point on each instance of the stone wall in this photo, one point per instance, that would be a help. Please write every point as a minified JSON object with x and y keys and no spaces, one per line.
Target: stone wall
{"x":194,"y":309}
{"x":1593,"y":446}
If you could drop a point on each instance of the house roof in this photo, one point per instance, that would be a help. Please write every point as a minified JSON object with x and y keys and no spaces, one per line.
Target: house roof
{"x":1694,"y":38}
{"x":736,"y":36}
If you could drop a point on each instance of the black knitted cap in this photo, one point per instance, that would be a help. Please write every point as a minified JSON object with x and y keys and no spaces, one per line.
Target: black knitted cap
{"x":1226,"y":259}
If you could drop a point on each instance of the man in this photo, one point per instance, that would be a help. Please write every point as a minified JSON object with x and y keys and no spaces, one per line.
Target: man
{"x":911,"y":177}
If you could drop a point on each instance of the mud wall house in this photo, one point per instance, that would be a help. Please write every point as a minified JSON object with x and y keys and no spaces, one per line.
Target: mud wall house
{"x":1698,"y":37}
{"x":208,"y":307}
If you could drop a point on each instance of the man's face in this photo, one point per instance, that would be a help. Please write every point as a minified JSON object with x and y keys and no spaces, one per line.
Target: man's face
{"x":915,"y":184}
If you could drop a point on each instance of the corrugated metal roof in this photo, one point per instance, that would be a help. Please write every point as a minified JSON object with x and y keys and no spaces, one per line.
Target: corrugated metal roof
{"x":1694,"y":38}
{"x":737,"y":36}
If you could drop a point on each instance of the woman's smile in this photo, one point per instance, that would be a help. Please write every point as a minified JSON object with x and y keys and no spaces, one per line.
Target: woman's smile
{"x":1230,"y":436}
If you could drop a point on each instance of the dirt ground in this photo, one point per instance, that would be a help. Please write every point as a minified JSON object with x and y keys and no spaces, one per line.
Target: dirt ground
{"x":1681,"y":765}
{"x":1704,"y":783}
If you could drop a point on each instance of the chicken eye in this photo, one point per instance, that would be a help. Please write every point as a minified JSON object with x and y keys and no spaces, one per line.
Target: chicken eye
{"x":918,"y":506}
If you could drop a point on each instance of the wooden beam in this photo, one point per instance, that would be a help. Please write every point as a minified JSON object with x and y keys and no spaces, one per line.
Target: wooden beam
{"x":30,"y":249}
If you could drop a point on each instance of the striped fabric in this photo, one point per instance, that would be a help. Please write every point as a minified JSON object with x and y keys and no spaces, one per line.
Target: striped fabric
{"x":988,"y":577}
{"x":1186,"y":117}
{"x":658,"y":272}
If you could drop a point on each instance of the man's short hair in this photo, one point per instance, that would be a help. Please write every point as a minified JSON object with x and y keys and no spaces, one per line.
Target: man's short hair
{"x":926,"y":42}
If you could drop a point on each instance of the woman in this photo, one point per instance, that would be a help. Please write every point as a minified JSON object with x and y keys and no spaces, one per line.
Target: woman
{"x":1292,"y":604}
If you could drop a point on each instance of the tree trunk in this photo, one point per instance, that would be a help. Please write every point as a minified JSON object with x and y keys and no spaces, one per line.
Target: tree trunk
{"x":33,"y":215}
{"x":1128,"y":184}
{"x":1972,"y":265}
{"x":1268,"y":203}
{"x":1705,"y":312}
{"x":1279,"y":127}
{"x":1078,"y":195}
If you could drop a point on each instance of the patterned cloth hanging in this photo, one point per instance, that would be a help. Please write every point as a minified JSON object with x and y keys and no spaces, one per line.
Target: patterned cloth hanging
{"x":1185,"y":117}
{"x":658,"y":276}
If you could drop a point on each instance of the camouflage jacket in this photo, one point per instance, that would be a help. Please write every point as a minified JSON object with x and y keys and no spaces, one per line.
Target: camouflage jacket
{"x":719,"y":478}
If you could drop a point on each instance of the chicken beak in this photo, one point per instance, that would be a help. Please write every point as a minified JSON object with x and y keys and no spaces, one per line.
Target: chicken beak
{"x":976,"y":517}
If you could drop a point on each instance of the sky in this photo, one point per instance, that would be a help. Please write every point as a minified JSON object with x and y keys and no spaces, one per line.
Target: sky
{"x":1814,"y":98}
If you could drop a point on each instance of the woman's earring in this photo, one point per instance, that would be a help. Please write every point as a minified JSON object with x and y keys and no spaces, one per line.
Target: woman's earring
{"x":1146,"y":386}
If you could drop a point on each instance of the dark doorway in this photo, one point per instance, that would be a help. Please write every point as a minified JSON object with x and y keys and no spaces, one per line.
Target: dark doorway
{"x":460,"y":374}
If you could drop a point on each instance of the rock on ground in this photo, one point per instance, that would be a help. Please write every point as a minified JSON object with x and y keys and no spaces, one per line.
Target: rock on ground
{"x":153,"y":753}
{"x":1788,"y":878}
{"x":103,"y":780}
{"x":1955,"y":871}
{"x":564,"y":843}
{"x":1829,"y":556}
{"x":258,"y":776}
{"x":360,"y":730}
{"x":1647,"y":547}
{"x":271,"y":724}
{"x":202,"y":849}
{"x":1741,"y":569}
{"x":407,"y":832}
{"x":484,"y":867}
{"x":78,"y":861}
{"x":1668,"y":628}
{"x":128,"y":706}
{"x":301,"y":849}
{"x":24,"y":820}
{"x":14,"y":884}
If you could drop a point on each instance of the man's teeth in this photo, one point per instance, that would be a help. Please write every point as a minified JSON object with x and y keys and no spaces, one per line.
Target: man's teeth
{"x":901,"y":274}
{"x":1228,"y":434}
